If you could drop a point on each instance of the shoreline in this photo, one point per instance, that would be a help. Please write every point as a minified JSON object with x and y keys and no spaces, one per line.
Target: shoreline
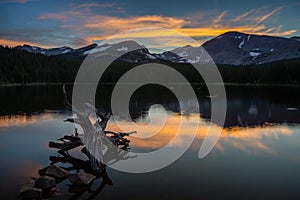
{"x":226,"y":84}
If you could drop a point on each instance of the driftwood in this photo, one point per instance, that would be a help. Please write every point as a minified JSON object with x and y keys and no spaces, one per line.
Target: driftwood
{"x":80,"y":165}
{"x":83,"y":120}
{"x":91,"y":165}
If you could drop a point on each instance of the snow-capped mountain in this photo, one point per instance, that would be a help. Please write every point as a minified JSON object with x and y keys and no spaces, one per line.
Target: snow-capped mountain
{"x":133,"y":52}
{"x":231,"y":48}
{"x":237,"y":48}
{"x":47,"y":52}
{"x":171,"y":56}
{"x":193,"y":54}
{"x":58,"y":51}
{"x":78,"y":53}
{"x":114,"y":49}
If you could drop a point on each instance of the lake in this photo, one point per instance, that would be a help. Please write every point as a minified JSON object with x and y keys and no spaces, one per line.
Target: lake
{"x":256,"y":157}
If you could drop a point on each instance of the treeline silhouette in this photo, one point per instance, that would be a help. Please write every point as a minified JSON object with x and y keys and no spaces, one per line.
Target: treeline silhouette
{"x":17,"y":66}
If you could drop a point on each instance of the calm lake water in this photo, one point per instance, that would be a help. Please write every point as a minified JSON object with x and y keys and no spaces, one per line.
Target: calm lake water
{"x":256,"y":157}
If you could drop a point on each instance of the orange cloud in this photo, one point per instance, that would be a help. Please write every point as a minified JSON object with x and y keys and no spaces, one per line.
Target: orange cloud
{"x":170,"y":38}
{"x":243,"y":16}
{"x":211,"y":31}
{"x":112,"y":25}
{"x":264,"y":17}
{"x":219,"y":18}
{"x":12,"y":43}
{"x":91,"y":27}
{"x":120,"y":24}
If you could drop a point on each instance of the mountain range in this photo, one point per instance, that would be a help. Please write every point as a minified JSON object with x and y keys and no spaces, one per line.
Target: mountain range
{"x":231,"y":48}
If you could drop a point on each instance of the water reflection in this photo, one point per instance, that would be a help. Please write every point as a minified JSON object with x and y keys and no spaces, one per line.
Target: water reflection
{"x":246,"y":106}
{"x":23,"y":119}
{"x":258,"y":151}
{"x":249,"y":139}
{"x":255,"y":140}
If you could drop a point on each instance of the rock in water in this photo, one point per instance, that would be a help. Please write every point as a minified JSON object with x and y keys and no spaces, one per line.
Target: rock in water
{"x":54,"y":171}
{"x":45,"y":182}
{"x":32,"y":193}
{"x":29,"y":192}
{"x":81,"y":178}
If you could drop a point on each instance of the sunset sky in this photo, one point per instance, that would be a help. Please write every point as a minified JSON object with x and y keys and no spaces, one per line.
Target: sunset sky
{"x":49,"y":23}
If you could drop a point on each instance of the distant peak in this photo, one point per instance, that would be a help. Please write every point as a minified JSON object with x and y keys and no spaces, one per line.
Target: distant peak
{"x":233,"y":33}
{"x":128,"y":42}
{"x":187,"y":46}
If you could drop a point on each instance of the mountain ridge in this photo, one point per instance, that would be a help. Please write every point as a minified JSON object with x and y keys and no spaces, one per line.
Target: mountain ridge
{"x":230,"y":48}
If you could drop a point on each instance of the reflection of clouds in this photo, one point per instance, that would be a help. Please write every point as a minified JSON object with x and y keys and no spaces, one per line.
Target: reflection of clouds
{"x":248,"y":139}
{"x":29,"y":169}
{"x":22,"y":120}
{"x":252,"y":139}
{"x":15,"y":173}
{"x":164,"y":134}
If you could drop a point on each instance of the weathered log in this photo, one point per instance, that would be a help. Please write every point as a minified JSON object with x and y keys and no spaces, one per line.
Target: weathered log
{"x":28,"y":191}
{"x":64,"y":146}
{"x":118,"y":138}
{"x":54,"y":171}
{"x":81,"y":178}
{"x":45,"y":182}
{"x":71,"y":138}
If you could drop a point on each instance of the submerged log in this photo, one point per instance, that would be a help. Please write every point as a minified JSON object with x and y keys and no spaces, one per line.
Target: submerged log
{"x":45,"y":182}
{"x":28,"y":191}
{"x":64,"y":146}
{"x":55,"y":172}
{"x":81,"y":178}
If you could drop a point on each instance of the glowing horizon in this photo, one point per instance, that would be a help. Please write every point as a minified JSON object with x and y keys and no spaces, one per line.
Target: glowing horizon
{"x":47,"y":25}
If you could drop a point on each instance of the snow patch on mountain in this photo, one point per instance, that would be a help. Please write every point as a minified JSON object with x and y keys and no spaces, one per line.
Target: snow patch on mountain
{"x":183,"y":54}
{"x":97,"y":50}
{"x":241,"y":44}
{"x":237,"y":37}
{"x":66,"y":51}
{"x":196,"y":60}
{"x":122,"y":49}
{"x":254,"y":54}
{"x":151,"y":57}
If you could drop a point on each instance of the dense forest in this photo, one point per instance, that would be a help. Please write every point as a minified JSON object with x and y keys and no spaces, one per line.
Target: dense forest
{"x":17,"y":66}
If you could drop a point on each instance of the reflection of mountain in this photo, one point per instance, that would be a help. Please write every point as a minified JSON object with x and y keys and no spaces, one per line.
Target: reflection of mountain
{"x":245,"y":105}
